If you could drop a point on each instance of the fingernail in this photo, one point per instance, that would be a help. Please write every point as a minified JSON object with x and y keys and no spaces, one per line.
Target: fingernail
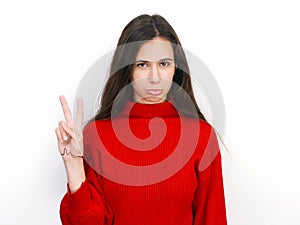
{"x":65,"y":138}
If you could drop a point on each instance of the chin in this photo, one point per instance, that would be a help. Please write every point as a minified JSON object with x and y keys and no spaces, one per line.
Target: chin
{"x":153,"y":100}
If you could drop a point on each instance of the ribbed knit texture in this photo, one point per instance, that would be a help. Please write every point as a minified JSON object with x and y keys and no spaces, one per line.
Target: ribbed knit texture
{"x":182,"y":196}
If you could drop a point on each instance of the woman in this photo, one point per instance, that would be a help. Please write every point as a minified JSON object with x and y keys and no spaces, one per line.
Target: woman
{"x":149,"y":78}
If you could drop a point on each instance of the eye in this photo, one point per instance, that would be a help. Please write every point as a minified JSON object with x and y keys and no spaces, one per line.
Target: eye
{"x":164,"y":64}
{"x":141,"y":65}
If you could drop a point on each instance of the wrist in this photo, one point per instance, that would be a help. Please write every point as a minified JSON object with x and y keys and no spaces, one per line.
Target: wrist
{"x":75,"y":173}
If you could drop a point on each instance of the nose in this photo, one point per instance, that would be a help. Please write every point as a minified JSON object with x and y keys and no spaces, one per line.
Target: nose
{"x":154,"y":76}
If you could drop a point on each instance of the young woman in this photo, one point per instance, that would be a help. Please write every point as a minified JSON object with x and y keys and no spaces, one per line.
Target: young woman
{"x":168,"y":168}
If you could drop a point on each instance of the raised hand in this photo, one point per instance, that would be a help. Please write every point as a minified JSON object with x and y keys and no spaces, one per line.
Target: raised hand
{"x":69,"y":132}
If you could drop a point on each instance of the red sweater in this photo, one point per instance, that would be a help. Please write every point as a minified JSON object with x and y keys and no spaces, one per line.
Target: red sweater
{"x":131,"y":190}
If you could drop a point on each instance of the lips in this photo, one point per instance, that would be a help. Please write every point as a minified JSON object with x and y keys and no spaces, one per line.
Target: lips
{"x":154,"y":91}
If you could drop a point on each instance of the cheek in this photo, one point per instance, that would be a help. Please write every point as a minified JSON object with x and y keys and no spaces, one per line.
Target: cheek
{"x":168,"y":76}
{"x":138,"y":74}
{"x":139,"y":84}
{"x":168,"y":73}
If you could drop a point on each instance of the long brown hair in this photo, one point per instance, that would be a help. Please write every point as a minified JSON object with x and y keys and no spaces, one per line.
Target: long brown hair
{"x":143,"y":28}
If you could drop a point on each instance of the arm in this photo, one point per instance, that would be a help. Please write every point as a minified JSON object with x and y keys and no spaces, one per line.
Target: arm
{"x":84,"y":202}
{"x":209,"y":202}
{"x":86,"y":205}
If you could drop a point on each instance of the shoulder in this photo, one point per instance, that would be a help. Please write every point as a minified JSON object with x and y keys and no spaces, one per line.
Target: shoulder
{"x":205,"y":125}
{"x":92,"y":130}
{"x":207,"y":130}
{"x":209,"y":150}
{"x":91,"y":133}
{"x":94,"y":125}
{"x":207,"y":139}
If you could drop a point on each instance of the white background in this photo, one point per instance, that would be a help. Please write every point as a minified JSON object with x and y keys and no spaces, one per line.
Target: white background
{"x":251,"y":47}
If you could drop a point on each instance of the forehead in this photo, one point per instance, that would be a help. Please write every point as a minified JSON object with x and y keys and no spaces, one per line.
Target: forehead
{"x":155,"y":50}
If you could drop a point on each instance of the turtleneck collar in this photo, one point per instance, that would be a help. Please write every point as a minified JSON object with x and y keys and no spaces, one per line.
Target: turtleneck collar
{"x":142,"y":110}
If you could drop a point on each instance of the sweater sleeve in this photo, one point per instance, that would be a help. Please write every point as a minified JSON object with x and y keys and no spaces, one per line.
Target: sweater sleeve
{"x":86,"y":206}
{"x":209,"y":201}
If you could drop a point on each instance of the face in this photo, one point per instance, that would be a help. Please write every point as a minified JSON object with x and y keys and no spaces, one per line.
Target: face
{"x":153,"y":71}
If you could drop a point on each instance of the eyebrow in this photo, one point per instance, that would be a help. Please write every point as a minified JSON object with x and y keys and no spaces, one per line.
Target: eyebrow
{"x":161,"y":60}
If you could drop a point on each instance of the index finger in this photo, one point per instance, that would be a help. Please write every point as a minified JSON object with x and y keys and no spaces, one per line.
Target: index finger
{"x":79,"y":114}
{"x":66,"y":109}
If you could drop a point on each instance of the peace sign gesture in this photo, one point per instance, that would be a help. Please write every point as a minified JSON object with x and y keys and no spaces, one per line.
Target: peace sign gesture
{"x":69,"y":132}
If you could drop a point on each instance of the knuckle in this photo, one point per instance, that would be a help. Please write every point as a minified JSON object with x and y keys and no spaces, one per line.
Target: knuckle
{"x":57,"y":132}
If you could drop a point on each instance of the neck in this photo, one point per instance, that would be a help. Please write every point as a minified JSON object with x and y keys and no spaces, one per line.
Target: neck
{"x":143,"y":110}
